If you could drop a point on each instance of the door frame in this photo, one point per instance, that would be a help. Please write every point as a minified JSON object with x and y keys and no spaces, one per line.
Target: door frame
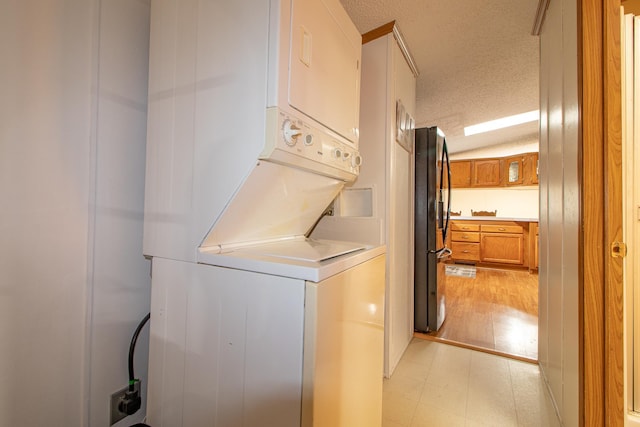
{"x":602,"y":358}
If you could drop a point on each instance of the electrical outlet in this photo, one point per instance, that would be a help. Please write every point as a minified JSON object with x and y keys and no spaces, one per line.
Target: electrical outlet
{"x":116,"y":398}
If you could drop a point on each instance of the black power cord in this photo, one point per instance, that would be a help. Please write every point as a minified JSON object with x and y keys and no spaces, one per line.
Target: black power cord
{"x":132,"y":400}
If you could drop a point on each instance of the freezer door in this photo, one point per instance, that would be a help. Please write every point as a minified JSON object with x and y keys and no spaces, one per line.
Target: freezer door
{"x":437,"y":311}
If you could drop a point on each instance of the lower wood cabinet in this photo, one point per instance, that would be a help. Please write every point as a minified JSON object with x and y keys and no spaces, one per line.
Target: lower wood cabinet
{"x":534,"y":232}
{"x":505,"y":248}
{"x":465,"y":241}
{"x":492,"y":242}
{"x":465,"y":251}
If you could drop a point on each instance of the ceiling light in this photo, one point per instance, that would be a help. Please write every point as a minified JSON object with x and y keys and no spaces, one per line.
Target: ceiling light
{"x":504,"y":122}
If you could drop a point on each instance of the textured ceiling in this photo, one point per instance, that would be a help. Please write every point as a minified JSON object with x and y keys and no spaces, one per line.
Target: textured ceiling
{"x":477,"y":60}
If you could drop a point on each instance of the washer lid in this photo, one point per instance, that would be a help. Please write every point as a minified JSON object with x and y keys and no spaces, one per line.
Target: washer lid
{"x":303,"y":249}
{"x":274,"y":202}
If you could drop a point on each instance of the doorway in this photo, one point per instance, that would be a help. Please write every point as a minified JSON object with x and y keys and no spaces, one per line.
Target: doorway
{"x":491,"y":280}
{"x":496,"y":311}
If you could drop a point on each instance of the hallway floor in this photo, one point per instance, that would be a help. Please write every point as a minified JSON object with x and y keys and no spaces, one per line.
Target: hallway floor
{"x":436,"y":384}
{"x":496,"y":310}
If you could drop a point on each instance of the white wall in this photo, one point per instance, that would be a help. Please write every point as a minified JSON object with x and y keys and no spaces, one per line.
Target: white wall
{"x":526,"y":145}
{"x":399,"y":318}
{"x":559,"y":333}
{"x":73,"y":283}
{"x":44,"y":188}
{"x":510,"y":202}
{"x":118,"y":276}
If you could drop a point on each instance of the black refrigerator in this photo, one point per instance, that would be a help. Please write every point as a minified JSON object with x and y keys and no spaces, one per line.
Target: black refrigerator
{"x":432,"y":215}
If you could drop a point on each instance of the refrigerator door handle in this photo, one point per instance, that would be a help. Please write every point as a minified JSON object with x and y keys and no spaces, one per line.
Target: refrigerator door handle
{"x":444,"y":254}
{"x":442,"y":224}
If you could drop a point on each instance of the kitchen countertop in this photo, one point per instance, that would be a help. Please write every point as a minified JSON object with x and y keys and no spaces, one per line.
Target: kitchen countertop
{"x":492,"y":218}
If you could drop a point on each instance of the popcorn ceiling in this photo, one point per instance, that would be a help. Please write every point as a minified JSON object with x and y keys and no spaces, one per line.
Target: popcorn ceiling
{"x":477,"y":59}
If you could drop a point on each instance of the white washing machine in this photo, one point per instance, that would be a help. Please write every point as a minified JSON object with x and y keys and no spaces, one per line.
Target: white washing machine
{"x":253,"y":117}
{"x":232,"y":347}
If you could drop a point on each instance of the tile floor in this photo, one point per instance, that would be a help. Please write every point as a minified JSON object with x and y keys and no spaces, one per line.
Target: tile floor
{"x":437,"y":385}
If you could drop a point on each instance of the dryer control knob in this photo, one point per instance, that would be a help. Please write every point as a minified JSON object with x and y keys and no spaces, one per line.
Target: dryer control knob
{"x":291,"y":132}
{"x":337,"y":153}
{"x":356,"y":160}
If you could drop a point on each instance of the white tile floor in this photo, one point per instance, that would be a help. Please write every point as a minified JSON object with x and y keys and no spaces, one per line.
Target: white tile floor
{"x":437,"y":385}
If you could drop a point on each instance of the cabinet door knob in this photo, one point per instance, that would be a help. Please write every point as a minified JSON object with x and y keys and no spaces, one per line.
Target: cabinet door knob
{"x":502,"y":229}
{"x":465,"y":252}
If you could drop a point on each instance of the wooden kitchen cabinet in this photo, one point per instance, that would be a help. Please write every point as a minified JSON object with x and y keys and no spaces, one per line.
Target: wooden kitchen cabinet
{"x":521,"y":169}
{"x":486,"y":173}
{"x":533,"y":246}
{"x":460,"y":173}
{"x":494,"y":242}
{"x":514,"y":170}
{"x":465,"y":241}
{"x":503,"y":244}
{"x":530,"y":169}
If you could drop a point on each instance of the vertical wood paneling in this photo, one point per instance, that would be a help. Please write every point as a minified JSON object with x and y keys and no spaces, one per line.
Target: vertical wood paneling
{"x":600,"y":276}
{"x":554,"y":241}
{"x":614,"y":377}
{"x":571,"y":217}
{"x":592,"y":213}
{"x":46,"y":119}
{"x":543,"y":309}
{"x":560,"y":351}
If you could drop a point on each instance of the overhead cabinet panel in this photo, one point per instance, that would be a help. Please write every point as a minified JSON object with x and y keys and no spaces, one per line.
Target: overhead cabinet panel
{"x":486,"y":173}
{"x":517,"y":170}
{"x":460,"y":174}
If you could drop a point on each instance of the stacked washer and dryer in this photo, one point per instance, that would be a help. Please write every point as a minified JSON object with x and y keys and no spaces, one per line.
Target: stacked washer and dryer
{"x":252,"y":132}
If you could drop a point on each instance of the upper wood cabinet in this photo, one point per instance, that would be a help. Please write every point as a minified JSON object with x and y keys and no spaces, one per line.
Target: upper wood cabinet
{"x":514,"y":172}
{"x":460,"y":173}
{"x":530,"y":169}
{"x":485,"y":173}
{"x":495,"y":172}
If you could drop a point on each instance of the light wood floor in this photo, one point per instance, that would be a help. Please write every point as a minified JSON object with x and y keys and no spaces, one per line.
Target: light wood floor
{"x":495,"y":311}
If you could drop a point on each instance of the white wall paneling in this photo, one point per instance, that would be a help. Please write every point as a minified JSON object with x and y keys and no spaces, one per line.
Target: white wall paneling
{"x":559,"y":209}
{"x":73,"y":281}
{"x":119,"y":276}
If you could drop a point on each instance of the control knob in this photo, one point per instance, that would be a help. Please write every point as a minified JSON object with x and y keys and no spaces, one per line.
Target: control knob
{"x":291,"y":132}
{"x":356,"y":160}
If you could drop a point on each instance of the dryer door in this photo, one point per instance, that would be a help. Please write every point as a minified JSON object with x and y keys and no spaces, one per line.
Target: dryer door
{"x":325,"y":65}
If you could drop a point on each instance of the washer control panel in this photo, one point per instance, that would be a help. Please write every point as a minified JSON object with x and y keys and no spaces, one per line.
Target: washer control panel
{"x":291,"y":140}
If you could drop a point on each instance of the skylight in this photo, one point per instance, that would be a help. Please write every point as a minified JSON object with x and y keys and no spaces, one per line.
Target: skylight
{"x":503,"y":122}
